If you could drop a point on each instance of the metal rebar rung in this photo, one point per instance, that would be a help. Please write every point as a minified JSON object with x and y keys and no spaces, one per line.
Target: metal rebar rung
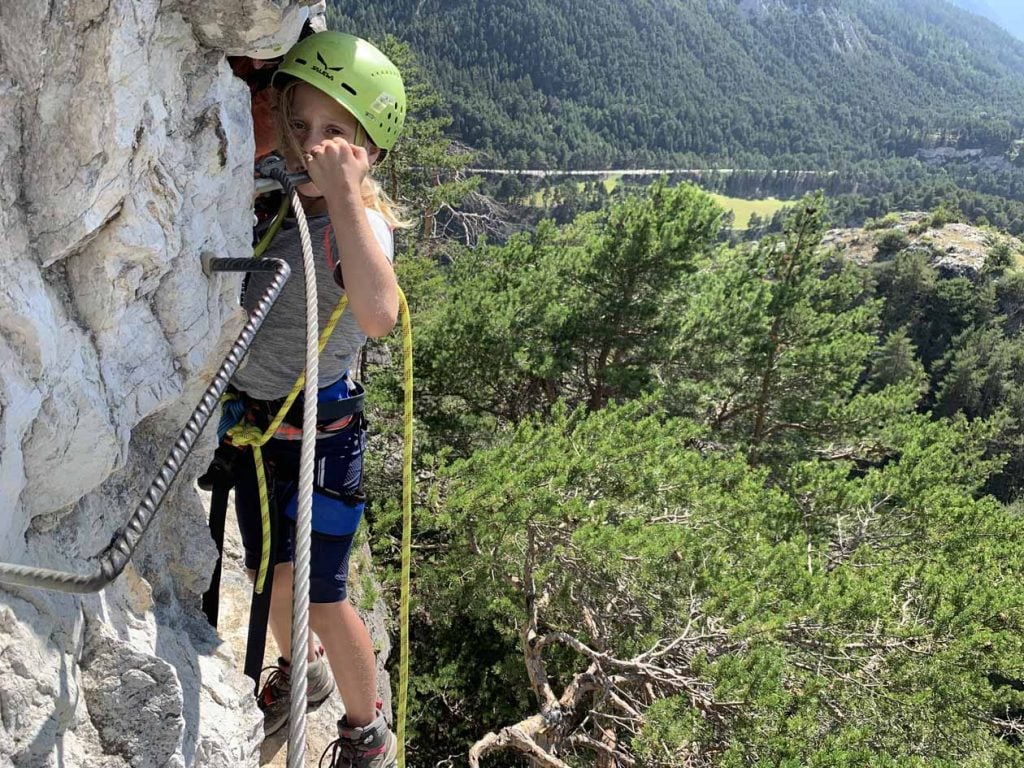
{"x":116,"y":556}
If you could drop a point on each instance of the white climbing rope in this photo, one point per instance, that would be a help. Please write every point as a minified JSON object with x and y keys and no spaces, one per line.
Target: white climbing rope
{"x":304,"y":512}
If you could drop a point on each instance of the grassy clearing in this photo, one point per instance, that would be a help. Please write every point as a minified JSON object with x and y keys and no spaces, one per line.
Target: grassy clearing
{"x":611,"y":182}
{"x":541,"y":198}
{"x":743,"y":209}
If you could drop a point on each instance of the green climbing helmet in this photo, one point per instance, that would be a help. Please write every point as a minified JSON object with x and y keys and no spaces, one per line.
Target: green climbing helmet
{"x":355,"y":74}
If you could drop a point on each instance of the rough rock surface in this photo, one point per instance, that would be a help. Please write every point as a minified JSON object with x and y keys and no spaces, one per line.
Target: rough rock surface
{"x":125,"y":157}
{"x":955,"y":250}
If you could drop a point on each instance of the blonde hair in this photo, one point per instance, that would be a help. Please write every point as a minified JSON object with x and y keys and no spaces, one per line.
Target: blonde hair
{"x":373,"y":194}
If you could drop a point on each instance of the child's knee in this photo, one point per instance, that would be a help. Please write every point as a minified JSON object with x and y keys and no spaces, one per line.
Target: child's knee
{"x":325,"y":616}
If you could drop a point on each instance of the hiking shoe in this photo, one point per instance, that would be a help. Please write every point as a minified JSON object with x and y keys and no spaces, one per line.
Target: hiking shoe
{"x":275,"y":696}
{"x":371,"y":746}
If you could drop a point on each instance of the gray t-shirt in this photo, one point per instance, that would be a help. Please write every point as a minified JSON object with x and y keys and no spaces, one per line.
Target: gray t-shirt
{"x":277,"y":356}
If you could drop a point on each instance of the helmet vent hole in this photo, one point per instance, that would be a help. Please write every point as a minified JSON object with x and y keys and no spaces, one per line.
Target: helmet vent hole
{"x":349,"y":88}
{"x":301,"y":61}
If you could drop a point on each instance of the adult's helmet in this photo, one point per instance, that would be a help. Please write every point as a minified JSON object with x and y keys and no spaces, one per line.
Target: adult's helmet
{"x":354,"y":73}
{"x":292,"y":24}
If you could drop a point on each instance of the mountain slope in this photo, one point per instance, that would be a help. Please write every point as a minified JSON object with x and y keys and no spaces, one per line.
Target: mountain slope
{"x":815,"y":83}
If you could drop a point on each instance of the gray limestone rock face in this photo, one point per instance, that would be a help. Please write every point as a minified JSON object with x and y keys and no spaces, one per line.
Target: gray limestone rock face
{"x":125,"y":158}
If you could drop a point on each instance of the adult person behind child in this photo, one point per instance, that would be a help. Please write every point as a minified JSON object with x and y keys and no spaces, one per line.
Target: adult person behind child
{"x":339,"y":103}
{"x":258,"y":65}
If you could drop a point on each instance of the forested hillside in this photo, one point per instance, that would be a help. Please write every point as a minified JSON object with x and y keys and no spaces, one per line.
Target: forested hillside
{"x":822,"y":84}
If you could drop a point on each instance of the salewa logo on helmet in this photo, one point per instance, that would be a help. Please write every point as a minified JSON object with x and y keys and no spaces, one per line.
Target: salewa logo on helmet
{"x":323,"y":70}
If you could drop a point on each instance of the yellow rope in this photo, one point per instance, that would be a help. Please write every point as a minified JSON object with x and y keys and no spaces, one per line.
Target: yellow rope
{"x":275,"y":225}
{"x":247,"y":434}
{"x":261,"y":480}
{"x":403,"y":612}
{"x":240,"y":438}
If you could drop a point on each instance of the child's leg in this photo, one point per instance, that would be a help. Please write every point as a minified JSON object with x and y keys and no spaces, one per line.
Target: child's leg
{"x":280,"y":620}
{"x":250,"y":525}
{"x":350,"y":653}
{"x":341,"y":631}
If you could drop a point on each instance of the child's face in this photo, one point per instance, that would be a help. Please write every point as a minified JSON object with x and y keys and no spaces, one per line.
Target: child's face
{"x":316,"y":118}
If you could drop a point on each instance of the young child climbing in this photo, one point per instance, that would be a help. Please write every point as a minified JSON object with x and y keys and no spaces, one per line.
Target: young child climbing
{"x":339,"y":105}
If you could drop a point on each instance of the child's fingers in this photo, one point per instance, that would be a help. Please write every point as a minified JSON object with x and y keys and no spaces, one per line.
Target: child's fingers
{"x":344,"y":149}
{"x":359,"y":153}
{"x":334,"y":162}
{"x":337,"y":146}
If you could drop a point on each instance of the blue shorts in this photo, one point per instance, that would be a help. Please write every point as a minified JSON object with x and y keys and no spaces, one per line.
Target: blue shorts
{"x":337,"y":506}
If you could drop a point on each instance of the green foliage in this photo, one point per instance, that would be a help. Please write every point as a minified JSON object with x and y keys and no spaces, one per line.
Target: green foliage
{"x":888,"y":221}
{"x":773,"y":338}
{"x":853,"y":631}
{"x":1010,"y":302}
{"x":644,"y":435}
{"x":942,"y":216}
{"x":891,"y":240}
{"x":784,"y":465}
{"x":368,"y":592}
{"x":579,"y":313}
{"x":1001,"y":257}
{"x":964,"y":192}
{"x":423,"y":169}
{"x":934,"y":310}
{"x":895,"y":362}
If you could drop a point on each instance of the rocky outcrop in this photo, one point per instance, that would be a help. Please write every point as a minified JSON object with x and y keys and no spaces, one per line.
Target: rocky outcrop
{"x":758,"y":7}
{"x":954,"y":249}
{"x":125,"y":156}
{"x":845,"y":35}
{"x":975,"y":157}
